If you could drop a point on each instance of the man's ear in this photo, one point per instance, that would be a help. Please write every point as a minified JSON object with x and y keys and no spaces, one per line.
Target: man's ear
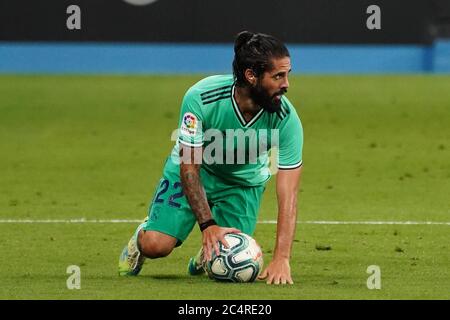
{"x":250,"y":76}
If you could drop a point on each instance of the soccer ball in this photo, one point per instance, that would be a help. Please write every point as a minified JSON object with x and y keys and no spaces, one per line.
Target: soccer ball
{"x":241,"y":262}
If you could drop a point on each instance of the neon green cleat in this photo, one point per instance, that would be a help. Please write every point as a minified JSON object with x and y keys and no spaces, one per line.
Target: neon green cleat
{"x":131,"y":260}
{"x":195,"y":267}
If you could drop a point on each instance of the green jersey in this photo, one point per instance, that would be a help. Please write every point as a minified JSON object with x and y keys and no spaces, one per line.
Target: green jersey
{"x":239,"y":152}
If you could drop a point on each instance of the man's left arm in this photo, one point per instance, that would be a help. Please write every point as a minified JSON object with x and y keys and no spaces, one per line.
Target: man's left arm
{"x":287,"y":184}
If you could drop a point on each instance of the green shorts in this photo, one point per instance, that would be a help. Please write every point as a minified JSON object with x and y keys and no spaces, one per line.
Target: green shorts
{"x":231,"y":205}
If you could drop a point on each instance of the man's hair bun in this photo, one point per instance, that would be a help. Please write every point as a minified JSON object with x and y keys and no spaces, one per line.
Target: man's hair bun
{"x":241,"y":39}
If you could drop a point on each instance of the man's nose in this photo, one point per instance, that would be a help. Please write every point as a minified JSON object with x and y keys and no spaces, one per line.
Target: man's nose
{"x":285,"y":84}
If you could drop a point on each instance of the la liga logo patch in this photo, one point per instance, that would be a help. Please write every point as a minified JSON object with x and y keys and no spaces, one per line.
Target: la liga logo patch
{"x":189,"y":120}
{"x":189,"y":124}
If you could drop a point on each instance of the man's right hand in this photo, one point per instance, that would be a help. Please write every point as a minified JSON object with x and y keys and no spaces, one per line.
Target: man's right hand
{"x":211,"y":237}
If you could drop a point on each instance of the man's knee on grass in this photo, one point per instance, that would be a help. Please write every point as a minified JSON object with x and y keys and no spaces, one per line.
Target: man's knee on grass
{"x":153,"y":244}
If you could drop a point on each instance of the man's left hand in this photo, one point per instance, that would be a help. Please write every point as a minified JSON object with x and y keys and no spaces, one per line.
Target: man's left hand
{"x":277,"y":272}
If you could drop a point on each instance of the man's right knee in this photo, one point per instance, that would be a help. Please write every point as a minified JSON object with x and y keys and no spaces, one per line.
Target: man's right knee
{"x":154,"y":244}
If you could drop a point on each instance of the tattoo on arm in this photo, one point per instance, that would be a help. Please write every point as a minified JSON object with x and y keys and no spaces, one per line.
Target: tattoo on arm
{"x":195,"y":194}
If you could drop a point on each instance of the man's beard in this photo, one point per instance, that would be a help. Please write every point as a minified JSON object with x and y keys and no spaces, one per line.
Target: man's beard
{"x":268,"y":102}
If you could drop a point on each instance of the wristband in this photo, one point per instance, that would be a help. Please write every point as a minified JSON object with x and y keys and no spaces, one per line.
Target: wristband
{"x":206,"y":224}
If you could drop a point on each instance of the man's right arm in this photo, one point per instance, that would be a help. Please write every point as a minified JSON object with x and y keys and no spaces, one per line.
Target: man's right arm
{"x":196,"y":196}
{"x":191,"y":182}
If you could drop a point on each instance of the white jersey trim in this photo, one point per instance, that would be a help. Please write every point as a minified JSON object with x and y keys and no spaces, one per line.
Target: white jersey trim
{"x":190,"y":144}
{"x":294,"y":166}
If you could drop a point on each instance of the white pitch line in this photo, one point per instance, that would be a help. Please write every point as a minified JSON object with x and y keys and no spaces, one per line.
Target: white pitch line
{"x":83,"y":220}
{"x":367,"y":222}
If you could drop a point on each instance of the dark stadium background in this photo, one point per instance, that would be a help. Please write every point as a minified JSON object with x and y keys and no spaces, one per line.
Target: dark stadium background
{"x":330,"y":35}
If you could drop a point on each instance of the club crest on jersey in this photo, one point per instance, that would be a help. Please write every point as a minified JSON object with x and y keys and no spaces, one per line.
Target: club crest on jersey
{"x":189,"y":124}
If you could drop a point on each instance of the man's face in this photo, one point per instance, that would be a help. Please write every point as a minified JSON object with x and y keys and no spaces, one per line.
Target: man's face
{"x":271,"y":85}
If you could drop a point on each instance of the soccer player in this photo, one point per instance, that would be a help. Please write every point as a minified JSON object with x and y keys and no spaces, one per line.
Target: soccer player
{"x":219,"y":186}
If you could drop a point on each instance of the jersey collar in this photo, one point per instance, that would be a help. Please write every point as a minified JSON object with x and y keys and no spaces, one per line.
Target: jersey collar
{"x":239,"y":114}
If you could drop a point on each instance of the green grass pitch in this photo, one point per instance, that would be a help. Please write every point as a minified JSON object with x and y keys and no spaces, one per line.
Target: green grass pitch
{"x":377,"y":148}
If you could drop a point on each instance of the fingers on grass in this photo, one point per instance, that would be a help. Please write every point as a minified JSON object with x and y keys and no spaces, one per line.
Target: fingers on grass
{"x":269,"y":279}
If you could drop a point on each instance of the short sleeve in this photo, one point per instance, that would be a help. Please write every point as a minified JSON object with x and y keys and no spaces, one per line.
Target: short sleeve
{"x":291,"y":142}
{"x":190,"y":131}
